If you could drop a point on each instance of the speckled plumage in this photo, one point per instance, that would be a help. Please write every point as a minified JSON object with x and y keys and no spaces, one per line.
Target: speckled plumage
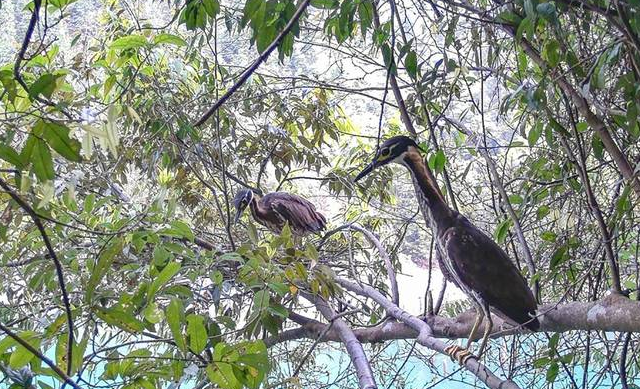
{"x":472,"y":260}
{"x":275,"y":209}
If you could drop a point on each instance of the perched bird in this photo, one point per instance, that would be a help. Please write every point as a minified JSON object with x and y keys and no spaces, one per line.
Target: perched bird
{"x":277,"y":208}
{"x":474,"y":262}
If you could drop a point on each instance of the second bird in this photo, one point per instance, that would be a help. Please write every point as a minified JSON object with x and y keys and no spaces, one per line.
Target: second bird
{"x":275,"y":209}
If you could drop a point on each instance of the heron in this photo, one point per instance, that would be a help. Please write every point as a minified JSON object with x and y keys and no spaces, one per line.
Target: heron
{"x":274,"y":210}
{"x":474,"y":262}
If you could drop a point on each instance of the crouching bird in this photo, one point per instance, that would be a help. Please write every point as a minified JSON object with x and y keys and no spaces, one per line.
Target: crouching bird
{"x":473,"y":261}
{"x":275,"y":209}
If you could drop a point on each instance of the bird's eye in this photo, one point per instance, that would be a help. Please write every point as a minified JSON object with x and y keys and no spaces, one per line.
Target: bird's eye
{"x":384,"y":152}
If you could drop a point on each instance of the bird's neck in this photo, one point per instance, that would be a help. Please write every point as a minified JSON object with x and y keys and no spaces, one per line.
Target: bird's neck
{"x":256,"y":209}
{"x":429,"y":196}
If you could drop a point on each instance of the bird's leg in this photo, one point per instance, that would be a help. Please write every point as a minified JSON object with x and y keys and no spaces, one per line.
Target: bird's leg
{"x":463,"y":354}
{"x":487,"y":330}
{"x":474,"y":329}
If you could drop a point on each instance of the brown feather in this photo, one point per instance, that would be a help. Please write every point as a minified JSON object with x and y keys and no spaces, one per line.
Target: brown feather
{"x":281,"y":207}
{"x":487,"y":270}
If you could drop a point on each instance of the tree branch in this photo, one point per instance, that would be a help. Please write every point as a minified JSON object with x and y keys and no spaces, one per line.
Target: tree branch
{"x":425,"y":334}
{"x":39,"y":355}
{"x":65,"y":297}
{"x":395,"y":296}
{"x":254,"y":66}
{"x":614,"y":313}
{"x":351,"y":342}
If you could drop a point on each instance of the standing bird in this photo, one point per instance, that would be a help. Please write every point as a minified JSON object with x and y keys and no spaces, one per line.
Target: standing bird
{"x":277,"y":208}
{"x":474,"y":262}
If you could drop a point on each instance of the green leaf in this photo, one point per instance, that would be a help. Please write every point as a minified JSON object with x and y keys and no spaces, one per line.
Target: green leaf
{"x":548,"y":12}
{"x":10,"y":155}
{"x":552,"y":372}
{"x":45,"y":85}
{"x":103,"y":265}
{"x":57,"y":136}
{"x":598,"y":147}
{"x":541,"y":362}
{"x":253,"y":232}
{"x":261,"y":300}
{"x":119,"y":318}
{"x":542,"y":212}
{"x":534,"y":134}
{"x":128,"y":42}
{"x":41,"y":159}
{"x":559,"y":257}
{"x":175,"y":318}
{"x":197,"y":333}
{"x":211,"y":7}
{"x":179,"y":229}
{"x":169,"y":39}
{"x":221,"y":374}
{"x":525,"y":26}
{"x":411,"y":64}
{"x":387,"y":56}
{"x":165,"y":276}
{"x":551,"y":52}
{"x":21,"y":356}
{"x":153,"y":314}
{"x":437,"y":161}
{"x":324,"y":4}
{"x":217,"y":277}
{"x":549,"y":236}
{"x":503,"y":230}
{"x":365,"y":13}
{"x":279,"y":288}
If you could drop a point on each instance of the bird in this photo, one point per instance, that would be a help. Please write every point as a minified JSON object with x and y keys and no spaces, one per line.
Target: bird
{"x":275,"y":209}
{"x":473,"y":261}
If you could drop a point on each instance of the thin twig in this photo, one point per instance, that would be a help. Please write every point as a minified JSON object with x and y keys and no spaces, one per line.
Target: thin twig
{"x":23,"y":49}
{"x":253,"y":67}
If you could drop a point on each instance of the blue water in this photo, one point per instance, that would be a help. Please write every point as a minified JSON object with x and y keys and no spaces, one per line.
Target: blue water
{"x":415,"y":372}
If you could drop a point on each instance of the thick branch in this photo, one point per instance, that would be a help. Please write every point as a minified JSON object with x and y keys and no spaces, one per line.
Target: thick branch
{"x":613,"y":313}
{"x":352,"y":344}
{"x":425,"y":334}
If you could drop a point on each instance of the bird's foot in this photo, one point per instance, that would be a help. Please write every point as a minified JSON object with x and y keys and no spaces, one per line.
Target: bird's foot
{"x":458,"y":353}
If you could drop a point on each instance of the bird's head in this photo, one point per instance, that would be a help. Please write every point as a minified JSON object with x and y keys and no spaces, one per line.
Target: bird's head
{"x":243,"y":198}
{"x":392,"y":150}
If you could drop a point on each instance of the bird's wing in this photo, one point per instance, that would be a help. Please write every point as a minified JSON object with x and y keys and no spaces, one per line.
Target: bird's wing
{"x":485,"y":268}
{"x":300,"y":213}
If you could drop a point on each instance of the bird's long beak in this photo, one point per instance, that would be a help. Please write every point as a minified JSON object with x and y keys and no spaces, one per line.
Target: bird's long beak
{"x":237,"y":217}
{"x":366,"y":171}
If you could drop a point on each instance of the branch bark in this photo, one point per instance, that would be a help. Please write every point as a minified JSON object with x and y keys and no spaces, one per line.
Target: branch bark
{"x":351,"y":343}
{"x":612,"y":313}
{"x":425,"y":334}
{"x":592,"y":119}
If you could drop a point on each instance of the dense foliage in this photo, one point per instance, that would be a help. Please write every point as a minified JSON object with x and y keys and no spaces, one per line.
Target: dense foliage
{"x":117,"y":243}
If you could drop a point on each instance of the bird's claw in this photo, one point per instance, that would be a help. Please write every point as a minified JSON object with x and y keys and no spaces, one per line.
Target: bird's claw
{"x":460,"y":354}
